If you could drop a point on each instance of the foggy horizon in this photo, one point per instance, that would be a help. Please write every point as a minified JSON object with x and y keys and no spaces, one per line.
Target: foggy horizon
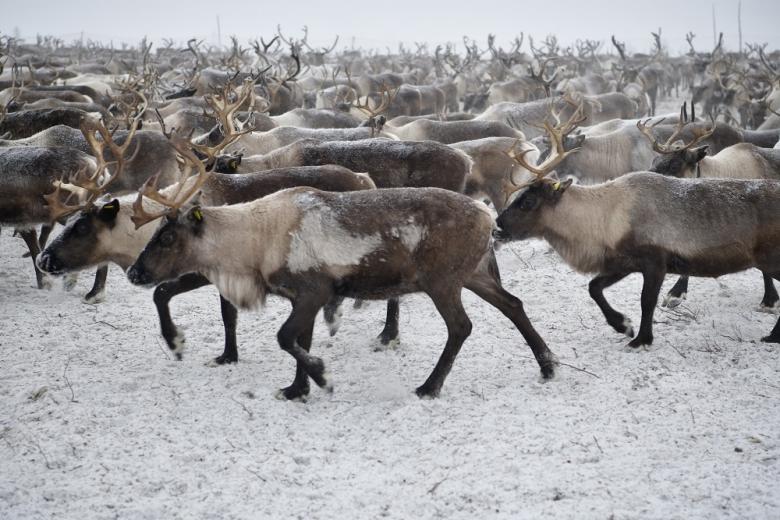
{"x":383,"y":25}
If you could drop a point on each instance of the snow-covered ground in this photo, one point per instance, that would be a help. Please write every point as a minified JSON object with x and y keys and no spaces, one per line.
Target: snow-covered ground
{"x":98,"y":421}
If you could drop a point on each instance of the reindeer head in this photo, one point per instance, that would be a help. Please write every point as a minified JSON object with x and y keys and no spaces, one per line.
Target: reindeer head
{"x":170,"y":252}
{"x":676,"y":157}
{"x":522,"y":217}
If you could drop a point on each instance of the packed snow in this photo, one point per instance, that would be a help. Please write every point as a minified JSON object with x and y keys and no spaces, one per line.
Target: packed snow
{"x":97,"y":419}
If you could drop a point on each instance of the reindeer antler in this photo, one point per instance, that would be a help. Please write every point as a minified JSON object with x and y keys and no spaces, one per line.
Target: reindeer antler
{"x":100,"y":181}
{"x":188,"y":186}
{"x":225,"y":110}
{"x":670,"y":145}
{"x":556,"y":134}
{"x":387,"y":98}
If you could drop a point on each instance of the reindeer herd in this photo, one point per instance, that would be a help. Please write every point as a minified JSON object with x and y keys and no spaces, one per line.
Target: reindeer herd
{"x":318,"y":175}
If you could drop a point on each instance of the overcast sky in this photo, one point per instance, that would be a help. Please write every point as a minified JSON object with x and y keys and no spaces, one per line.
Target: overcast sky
{"x":381,"y":23}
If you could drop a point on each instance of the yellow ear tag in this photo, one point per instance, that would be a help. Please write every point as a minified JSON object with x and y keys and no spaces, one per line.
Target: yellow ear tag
{"x":556,"y":186}
{"x":233,"y":165}
{"x":108,"y":206}
{"x":197,"y":214}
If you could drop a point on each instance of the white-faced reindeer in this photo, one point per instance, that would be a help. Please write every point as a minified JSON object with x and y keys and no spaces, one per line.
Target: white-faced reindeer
{"x":682,"y":159}
{"x":310,"y":246}
{"x":648,"y":223}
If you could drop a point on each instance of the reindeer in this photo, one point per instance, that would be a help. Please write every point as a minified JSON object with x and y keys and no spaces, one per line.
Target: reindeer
{"x":740,"y":161}
{"x":647,"y":223}
{"x":494,"y":174}
{"x":310,"y":246}
{"x":449,"y":132}
{"x":266,"y":142}
{"x":595,"y":108}
{"x":25,"y":123}
{"x":106,"y":233}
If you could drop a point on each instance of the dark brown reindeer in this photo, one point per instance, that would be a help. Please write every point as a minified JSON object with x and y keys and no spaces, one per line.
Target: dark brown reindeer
{"x":310,"y":246}
{"x":677,"y":158}
{"x":648,"y":223}
{"x":105,"y":233}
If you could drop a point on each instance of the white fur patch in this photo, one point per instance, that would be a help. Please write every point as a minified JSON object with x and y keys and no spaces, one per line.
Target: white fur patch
{"x":322,"y":241}
{"x":243,"y":291}
{"x":673,"y":301}
{"x":629,"y":327}
{"x":178,"y":343}
{"x":333,"y":326}
{"x":410,"y":235}
{"x":99,"y":297}
{"x":378,"y":346}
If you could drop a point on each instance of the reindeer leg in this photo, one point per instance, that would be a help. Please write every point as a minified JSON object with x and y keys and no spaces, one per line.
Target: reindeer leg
{"x":677,"y":293}
{"x":98,"y":290}
{"x":332,"y":314}
{"x":450,"y":307}
{"x":299,"y":388}
{"x":770,"y":293}
{"x":489,"y":289}
{"x":300,"y":321}
{"x":614,"y":318}
{"x":162,"y":295}
{"x":774,"y":336}
{"x":30,"y":237}
{"x":388,"y":338}
{"x":44,"y":236}
{"x":229,"y":319}
{"x":653,"y":279}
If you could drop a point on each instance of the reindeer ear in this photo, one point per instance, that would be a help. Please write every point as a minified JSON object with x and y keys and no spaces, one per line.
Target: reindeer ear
{"x":559,"y":187}
{"x":195,"y":215}
{"x":108,"y":211}
{"x":697,"y":154}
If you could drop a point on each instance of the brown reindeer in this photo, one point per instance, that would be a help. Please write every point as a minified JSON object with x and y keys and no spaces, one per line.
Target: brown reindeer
{"x":648,"y":223}
{"x":310,"y":246}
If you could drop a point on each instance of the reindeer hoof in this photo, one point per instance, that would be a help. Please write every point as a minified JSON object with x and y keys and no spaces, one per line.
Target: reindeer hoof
{"x":548,"y":372}
{"x":292,"y":393}
{"x":93,"y":298}
{"x":771,"y":339}
{"x":223,"y":359}
{"x":381,"y":344}
{"x":640,"y":342}
{"x":671,"y":301}
{"x":773,"y":308}
{"x":427,"y":392}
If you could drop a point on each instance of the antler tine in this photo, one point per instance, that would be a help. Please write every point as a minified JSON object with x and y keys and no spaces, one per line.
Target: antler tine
{"x":699,"y":134}
{"x":140,"y":216}
{"x":648,"y":132}
{"x":187,"y":187}
{"x":89,"y":129}
{"x":57,"y":208}
{"x":387,"y":99}
{"x":556,"y":134}
{"x":225,"y":112}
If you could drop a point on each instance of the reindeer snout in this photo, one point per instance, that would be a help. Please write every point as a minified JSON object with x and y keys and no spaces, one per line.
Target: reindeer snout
{"x":138,"y":276}
{"x":48,"y":263}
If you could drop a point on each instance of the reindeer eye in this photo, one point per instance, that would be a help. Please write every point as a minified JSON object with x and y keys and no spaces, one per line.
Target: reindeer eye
{"x":82,"y":227}
{"x":528,"y":202}
{"x":167,"y":239}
